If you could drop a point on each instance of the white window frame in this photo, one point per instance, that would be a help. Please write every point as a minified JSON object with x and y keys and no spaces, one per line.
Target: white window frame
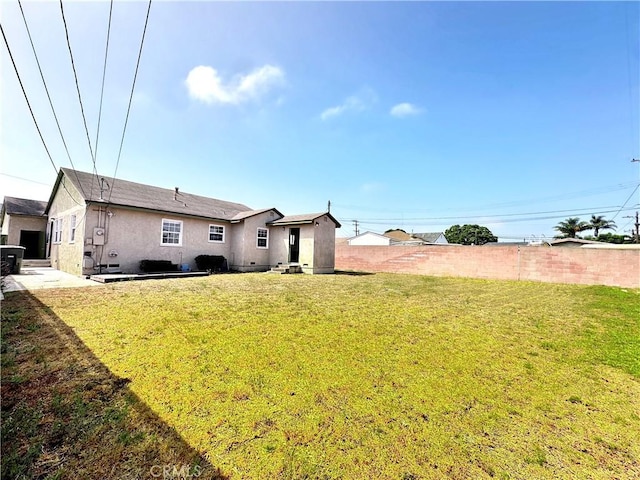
{"x":163,"y":231}
{"x":72,"y":228}
{"x":264,"y":237}
{"x":57,"y":231}
{"x":223,"y":233}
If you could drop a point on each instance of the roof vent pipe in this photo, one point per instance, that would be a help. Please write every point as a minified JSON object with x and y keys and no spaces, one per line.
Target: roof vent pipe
{"x":175,"y":195}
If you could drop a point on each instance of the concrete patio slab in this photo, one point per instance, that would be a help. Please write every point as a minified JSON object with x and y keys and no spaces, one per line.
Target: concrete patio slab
{"x":34,"y":278}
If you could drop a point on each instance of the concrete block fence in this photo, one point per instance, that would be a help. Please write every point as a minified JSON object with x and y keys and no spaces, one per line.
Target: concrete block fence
{"x":611,"y":267}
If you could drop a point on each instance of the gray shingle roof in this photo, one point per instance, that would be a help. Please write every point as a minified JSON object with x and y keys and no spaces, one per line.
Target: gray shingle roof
{"x":24,"y":206}
{"x":429,"y":237}
{"x":251,"y":213}
{"x":303,"y":218}
{"x":130,"y":194}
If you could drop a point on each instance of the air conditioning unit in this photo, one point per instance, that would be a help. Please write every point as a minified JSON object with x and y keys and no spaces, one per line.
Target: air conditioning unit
{"x":98,"y":236}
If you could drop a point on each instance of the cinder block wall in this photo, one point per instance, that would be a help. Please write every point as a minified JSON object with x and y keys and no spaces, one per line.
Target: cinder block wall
{"x":544,"y":264}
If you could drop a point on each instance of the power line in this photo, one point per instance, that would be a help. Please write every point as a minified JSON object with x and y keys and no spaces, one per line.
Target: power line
{"x":625,"y":202}
{"x":564,"y":196}
{"x":463,"y":217}
{"x":75,"y":76}
{"x":27,"y":100}
{"x":133,"y":86}
{"x":488,"y":221}
{"x":104,"y":73}
{"x":46,"y":89}
{"x":25,"y":179}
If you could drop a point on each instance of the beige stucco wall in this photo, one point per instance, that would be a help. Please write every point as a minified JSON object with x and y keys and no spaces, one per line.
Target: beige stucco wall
{"x":245,"y":254}
{"x":67,"y":256}
{"x":279,"y":245}
{"x":324,"y":246}
{"x":14,"y":224}
{"x":317,"y":245}
{"x":135,"y":235}
{"x":6,"y":219}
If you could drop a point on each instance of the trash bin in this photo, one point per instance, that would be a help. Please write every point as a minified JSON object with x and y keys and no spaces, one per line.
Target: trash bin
{"x":11,"y":257}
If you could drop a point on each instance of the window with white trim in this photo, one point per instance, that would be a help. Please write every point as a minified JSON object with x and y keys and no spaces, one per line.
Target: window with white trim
{"x":263,"y":238}
{"x":171,"y":232}
{"x":72,"y":229}
{"x":216,"y":233}
{"x":57,"y":230}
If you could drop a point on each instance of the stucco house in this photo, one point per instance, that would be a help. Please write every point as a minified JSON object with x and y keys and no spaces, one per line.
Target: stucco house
{"x":369,"y":238}
{"x":23,"y":222}
{"x":435,"y":238}
{"x":571,"y":242}
{"x":101,"y":224}
{"x":400,"y":237}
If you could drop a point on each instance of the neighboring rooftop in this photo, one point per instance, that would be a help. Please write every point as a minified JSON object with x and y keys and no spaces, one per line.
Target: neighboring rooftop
{"x":303,"y":218}
{"x":24,"y":206}
{"x":429,"y":237}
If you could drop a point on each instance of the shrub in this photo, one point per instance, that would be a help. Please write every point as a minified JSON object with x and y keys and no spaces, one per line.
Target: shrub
{"x":215,"y":263}
{"x":151,"y":266}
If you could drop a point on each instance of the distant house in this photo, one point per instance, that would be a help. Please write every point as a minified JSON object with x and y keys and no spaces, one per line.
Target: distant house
{"x":369,"y":238}
{"x":432,"y":237}
{"x":24,"y":223}
{"x":105,"y":224}
{"x":400,"y":237}
{"x":571,"y":242}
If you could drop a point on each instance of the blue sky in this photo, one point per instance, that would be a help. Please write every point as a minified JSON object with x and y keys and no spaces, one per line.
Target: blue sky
{"x":415,"y":115}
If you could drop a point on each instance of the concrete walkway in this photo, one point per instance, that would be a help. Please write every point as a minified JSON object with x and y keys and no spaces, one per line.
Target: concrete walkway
{"x":34,"y":278}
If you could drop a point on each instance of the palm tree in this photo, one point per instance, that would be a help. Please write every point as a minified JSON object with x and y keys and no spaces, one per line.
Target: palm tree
{"x":571,"y":226}
{"x":600,"y":223}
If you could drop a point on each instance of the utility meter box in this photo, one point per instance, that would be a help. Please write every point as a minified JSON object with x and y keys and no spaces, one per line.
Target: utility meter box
{"x":98,"y":236}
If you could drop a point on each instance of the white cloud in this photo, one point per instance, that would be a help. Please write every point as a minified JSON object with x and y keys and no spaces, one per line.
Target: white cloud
{"x":355,"y":103}
{"x":206,"y":85}
{"x":372,"y":187}
{"x":404,"y":110}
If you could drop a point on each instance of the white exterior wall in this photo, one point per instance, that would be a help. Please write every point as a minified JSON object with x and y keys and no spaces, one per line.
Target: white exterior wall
{"x":441,"y":240}
{"x":369,"y":238}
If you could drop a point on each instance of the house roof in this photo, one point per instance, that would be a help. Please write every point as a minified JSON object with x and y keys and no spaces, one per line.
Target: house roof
{"x":398,"y":235}
{"x":569,"y":241}
{"x":368,"y":233}
{"x":429,"y":237}
{"x":123,"y":193}
{"x":304,"y":218}
{"x":24,"y":206}
{"x":242,"y":215}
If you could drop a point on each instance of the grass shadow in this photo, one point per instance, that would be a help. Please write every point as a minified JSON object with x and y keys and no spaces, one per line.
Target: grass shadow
{"x":352,"y":273}
{"x":66,"y":415}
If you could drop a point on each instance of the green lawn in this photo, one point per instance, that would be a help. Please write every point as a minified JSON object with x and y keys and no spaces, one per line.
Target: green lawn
{"x":337,"y":376}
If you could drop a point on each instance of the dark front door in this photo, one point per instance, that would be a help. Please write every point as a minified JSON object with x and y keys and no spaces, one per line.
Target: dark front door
{"x":294,"y":245}
{"x":32,"y":241}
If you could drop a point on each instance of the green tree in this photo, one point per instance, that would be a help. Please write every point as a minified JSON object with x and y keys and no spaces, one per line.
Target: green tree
{"x":600,"y":223}
{"x":570,"y":227}
{"x":613,"y":238}
{"x":469,"y":235}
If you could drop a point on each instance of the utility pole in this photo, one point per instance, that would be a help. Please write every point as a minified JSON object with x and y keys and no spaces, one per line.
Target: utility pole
{"x":329,"y":206}
{"x":355,"y":225}
{"x":635,"y":231}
